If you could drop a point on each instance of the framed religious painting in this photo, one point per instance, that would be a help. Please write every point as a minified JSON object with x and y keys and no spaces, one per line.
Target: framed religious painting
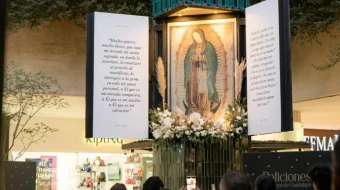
{"x":201,"y":66}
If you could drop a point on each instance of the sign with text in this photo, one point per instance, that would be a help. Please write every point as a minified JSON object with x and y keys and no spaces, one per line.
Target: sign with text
{"x":289,"y":169}
{"x":117,"y":76}
{"x":269,"y":90}
{"x":46,"y":172}
{"x":321,"y":140}
{"x":98,"y":141}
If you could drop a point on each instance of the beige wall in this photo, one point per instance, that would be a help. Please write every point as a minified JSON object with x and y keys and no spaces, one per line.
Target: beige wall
{"x":71,"y":135}
{"x":309,"y":83}
{"x":321,"y":113}
{"x":295,"y":135}
{"x":58,"y":50}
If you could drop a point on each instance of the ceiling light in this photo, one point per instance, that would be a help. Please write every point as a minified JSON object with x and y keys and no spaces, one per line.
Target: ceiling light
{"x":180,"y":14}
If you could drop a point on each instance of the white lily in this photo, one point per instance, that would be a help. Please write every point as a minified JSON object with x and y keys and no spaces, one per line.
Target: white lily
{"x":204,"y":133}
{"x":195,"y":118}
{"x":153,"y":124}
{"x":168,"y":121}
{"x":201,"y":121}
{"x":157,"y":133}
{"x":237,"y":130}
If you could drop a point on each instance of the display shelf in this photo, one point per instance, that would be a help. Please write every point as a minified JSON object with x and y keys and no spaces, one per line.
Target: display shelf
{"x":132,"y":163}
{"x":90,"y":172}
{"x":82,"y":175}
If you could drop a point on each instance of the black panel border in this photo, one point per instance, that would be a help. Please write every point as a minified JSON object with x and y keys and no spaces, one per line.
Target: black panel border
{"x":89,"y":74}
{"x":285,"y":67}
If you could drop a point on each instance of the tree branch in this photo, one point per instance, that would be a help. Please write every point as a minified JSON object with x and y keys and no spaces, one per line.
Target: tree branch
{"x":26,"y":95}
{"x":30,"y":117}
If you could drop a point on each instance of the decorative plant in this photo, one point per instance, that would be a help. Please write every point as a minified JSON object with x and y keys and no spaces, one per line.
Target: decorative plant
{"x":238,"y":75}
{"x":161,"y":79}
{"x":170,"y":129}
{"x":236,"y":118}
{"x":25,"y":95}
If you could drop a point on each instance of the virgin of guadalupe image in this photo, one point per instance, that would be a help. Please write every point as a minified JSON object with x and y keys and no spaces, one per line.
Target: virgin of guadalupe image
{"x":200,"y":68}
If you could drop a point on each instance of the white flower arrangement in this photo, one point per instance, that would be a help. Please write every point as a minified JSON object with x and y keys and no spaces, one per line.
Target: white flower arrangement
{"x":236,"y":118}
{"x":170,"y":127}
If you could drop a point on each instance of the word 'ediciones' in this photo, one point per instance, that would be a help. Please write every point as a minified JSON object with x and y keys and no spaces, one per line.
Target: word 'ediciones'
{"x":98,"y":141}
{"x":288,"y":177}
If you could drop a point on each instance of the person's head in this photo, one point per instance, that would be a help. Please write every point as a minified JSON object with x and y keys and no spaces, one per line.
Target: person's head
{"x":198,"y":35}
{"x":235,"y":180}
{"x":321,"y":175}
{"x":118,"y":186}
{"x":265,"y":182}
{"x":153,"y":183}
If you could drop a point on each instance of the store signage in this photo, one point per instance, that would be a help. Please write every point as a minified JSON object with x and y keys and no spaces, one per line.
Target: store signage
{"x":117,"y":76}
{"x":321,"y":143}
{"x":289,"y":169}
{"x":269,"y":85}
{"x":46,"y":171}
{"x":98,"y":141}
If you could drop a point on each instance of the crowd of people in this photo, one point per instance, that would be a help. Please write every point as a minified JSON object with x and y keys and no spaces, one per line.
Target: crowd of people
{"x":325,"y":176}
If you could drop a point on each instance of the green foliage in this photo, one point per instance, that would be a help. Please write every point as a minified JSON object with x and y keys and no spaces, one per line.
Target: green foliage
{"x":333,"y":58}
{"x":33,"y":13}
{"x":237,"y":118}
{"x":309,"y":18}
{"x":25,"y":95}
{"x":312,"y":17}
